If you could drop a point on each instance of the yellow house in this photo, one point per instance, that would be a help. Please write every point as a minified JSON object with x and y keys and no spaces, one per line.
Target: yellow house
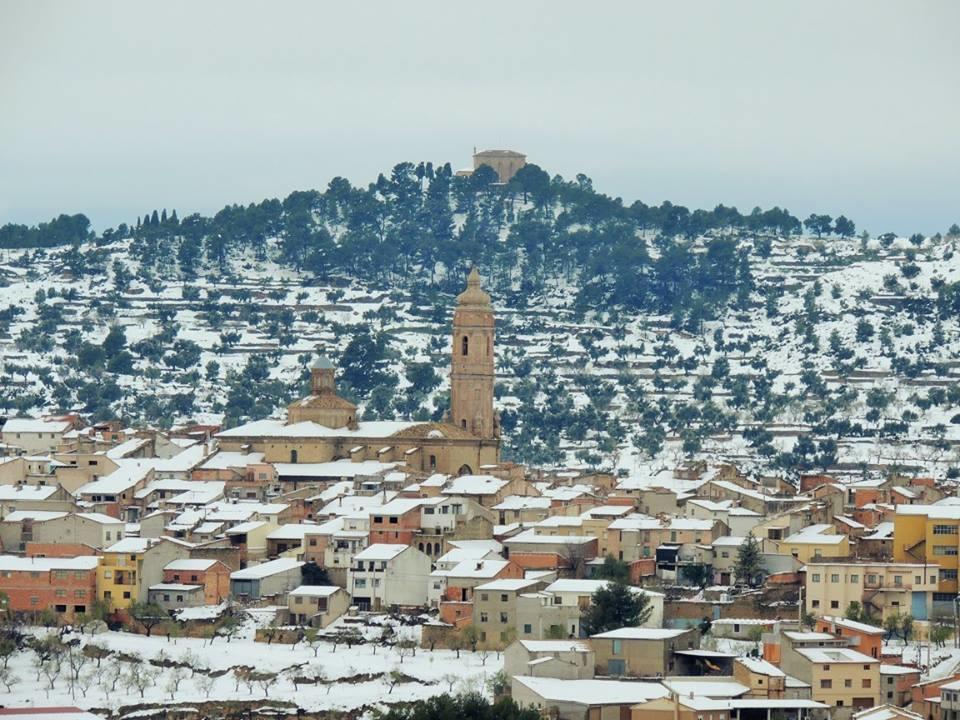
{"x":128,"y":568}
{"x":814,"y":542}
{"x":881,"y":588}
{"x":839,"y":677}
{"x":929,"y":534}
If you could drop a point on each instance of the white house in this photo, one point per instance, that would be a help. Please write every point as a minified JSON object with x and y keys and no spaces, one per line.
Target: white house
{"x":34,"y":436}
{"x":384,"y":575}
{"x":570,"y":592}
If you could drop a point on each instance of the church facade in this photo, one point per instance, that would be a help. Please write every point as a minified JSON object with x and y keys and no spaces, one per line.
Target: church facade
{"x":323,"y":427}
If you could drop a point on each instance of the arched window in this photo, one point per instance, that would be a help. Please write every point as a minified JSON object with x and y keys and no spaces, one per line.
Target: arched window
{"x":464,"y":345}
{"x":463,"y":424}
{"x":293,"y":456}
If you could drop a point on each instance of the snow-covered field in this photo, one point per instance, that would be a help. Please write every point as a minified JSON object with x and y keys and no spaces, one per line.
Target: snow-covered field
{"x":273,"y":667}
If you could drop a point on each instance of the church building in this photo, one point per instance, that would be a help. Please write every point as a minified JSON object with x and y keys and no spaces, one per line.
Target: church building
{"x":323,"y":426}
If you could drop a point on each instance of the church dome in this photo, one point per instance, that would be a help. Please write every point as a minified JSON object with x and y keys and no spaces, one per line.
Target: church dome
{"x":473,"y":295}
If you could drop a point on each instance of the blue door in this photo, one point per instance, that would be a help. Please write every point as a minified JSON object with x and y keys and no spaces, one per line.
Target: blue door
{"x":918,"y":607}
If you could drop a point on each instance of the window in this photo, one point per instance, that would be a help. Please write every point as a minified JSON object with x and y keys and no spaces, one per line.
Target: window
{"x":944,"y":549}
{"x":298,"y":600}
{"x":61,"y":592}
{"x":944,"y":529}
{"x":897,"y":580}
{"x":503,"y":618}
{"x":839,"y":703}
{"x":918,"y":579}
{"x":725,"y":554}
{"x":394,"y":520}
{"x":527,"y":629}
{"x":433,"y":462}
{"x":826,"y":684}
{"x":166,"y":597}
{"x":484,"y":617}
{"x":866,"y":682}
{"x":464,"y":346}
{"x":866,"y":667}
{"x":815,"y":603}
{"x":834,"y":578}
{"x":943,"y":597}
{"x":854,"y":578}
{"x":504,"y":597}
{"x":834,"y":604}
{"x":617,"y":646}
{"x":360,"y":582}
{"x":79,"y":593}
{"x":484,"y":597}
{"x":848,"y":683}
{"x":815,"y":577}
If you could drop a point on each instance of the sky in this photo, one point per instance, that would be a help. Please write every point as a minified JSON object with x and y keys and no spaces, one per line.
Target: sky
{"x":116,"y":108}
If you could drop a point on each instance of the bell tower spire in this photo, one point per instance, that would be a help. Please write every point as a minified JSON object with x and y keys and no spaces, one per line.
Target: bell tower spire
{"x":472,"y":371}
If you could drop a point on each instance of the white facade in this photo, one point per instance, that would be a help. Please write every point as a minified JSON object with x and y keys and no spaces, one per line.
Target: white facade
{"x":383,"y":575}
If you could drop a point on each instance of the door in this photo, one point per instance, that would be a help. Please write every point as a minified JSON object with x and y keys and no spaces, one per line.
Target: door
{"x":616,"y":667}
{"x":918,"y":606}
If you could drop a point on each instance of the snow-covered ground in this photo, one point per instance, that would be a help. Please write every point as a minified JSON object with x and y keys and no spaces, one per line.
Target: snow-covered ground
{"x":424,"y":674}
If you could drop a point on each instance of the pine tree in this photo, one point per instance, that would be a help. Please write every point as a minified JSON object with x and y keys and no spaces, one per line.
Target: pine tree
{"x":615,"y":606}
{"x":747,"y":569}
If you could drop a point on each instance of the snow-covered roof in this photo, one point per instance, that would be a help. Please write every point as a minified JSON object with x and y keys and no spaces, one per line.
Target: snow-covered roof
{"x":728,"y":541}
{"x":506,"y":584}
{"x":190,"y":565}
{"x":35,"y":515}
{"x":380,"y":551}
{"x":522,"y":502}
{"x":15,"y":563}
{"x":592,"y":692}
{"x":266,"y":569}
{"x":937,"y":512}
{"x":835,"y":655}
{"x":474,"y":485}
{"x":818,"y":534}
{"x":853,"y":625}
{"x":27,"y":492}
{"x":588,"y":587}
{"x":132,"y":545}
{"x":709,"y":687}
{"x":291,"y":531}
{"x":531,"y":537}
{"x":761,"y":667}
{"x":555,"y":645}
{"x":307,"y":429}
{"x":129,"y":473}
{"x":335,"y":469}
{"x":315,"y":590}
{"x":226,"y":459}
{"x":883,"y":531}
{"x":29,"y":425}
{"x":176,"y":587}
{"x":477,"y":568}
{"x":639,"y":633}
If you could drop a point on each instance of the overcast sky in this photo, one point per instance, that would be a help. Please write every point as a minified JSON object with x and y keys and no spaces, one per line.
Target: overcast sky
{"x":115,"y":108}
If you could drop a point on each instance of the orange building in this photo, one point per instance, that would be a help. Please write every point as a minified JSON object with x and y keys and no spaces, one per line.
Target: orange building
{"x":213,"y":575}
{"x":864,"y":638}
{"x":396,"y":523}
{"x":66,"y":586}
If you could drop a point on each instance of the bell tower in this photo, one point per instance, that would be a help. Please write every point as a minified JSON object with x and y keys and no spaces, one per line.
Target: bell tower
{"x":472,"y":371}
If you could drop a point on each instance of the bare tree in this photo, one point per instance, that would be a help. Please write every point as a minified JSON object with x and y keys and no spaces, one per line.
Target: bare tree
{"x":393,"y":677}
{"x":266,"y":681}
{"x":114,"y":671}
{"x":8,"y":679}
{"x":86,"y":681}
{"x":450,"y":679}
{"x":204,"y":683}
{"x":175,"y":676}
{"x":139,"y":676}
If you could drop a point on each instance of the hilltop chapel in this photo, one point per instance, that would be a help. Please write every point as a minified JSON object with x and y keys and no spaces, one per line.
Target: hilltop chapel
{"x":323,"y":426}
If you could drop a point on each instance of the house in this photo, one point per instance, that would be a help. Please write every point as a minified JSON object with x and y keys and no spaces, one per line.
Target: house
{"x":452,"y":590}
{"x":173,"y":596}
{"x":880,"y":587}
{"x":889,"y":712}
{"x":60,"y":528}
{"x":317,"y":605}
{"x":840,"y":677}
{"x":522,"y":508}
{"x":814,"y":542}
{"x":583,"y":699}
{"x":534,"y":551}
{"x":495,"y":609}
{"x":485,"y":489}
{"x":212,"y":576}
{"x":66,"y":586}
{"x":578,"y":593}
{"x":34,"y":497}
{"x":896,"y":683}
{"x":268,"y":580}
{"x":763,"y":678}
{"x":396,"y":522}
{"x":564,"y":659}
{"x":642,"y":652}
{"x":130,"y":567}
{"x":867,"y":639}
{"x":34,"y":436}
{"x":388,"y":575}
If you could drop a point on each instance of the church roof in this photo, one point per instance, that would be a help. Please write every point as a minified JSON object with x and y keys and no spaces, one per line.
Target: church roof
{"x":474,"y":294}
{"x":326,"y":401}
{"x":323,"y":363}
